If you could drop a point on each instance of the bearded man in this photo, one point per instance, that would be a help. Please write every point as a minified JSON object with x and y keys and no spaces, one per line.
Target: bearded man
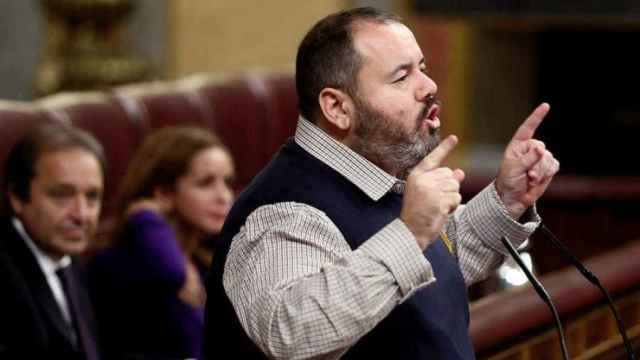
{"x":352,"y":242}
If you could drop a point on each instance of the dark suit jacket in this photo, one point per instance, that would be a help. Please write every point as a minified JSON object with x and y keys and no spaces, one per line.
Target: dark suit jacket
{"x":31,"y":323}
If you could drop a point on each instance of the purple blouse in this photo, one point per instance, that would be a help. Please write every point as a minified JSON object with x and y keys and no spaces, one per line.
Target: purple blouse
{"x":134,"y":288}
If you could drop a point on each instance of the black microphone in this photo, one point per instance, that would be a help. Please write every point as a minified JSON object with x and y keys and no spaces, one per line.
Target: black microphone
{"x":542,"y":293}
{"x":595,"y":281}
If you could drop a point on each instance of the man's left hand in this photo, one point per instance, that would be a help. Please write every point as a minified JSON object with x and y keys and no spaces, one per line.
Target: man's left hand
{"x":527,"y":167}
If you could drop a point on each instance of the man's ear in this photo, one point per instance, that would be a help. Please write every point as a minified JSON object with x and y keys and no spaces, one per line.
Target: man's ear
{"x":337,"y":108}
{"x":15,"y":202}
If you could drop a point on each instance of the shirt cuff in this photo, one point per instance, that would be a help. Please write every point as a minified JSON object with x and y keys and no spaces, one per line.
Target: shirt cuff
{"x":491,"y":220}
{"x":396,"y":247}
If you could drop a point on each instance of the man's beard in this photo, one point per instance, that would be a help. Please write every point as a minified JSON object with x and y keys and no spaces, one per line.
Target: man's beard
{"x":384,"y":142}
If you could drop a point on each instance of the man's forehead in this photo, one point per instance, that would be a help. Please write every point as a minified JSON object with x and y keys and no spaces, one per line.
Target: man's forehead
{"x":69,"y":166}
{"x":385,"y":42}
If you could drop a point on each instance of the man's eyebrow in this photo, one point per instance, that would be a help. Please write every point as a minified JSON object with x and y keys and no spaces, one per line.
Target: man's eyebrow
{"x":406,"y":66}
{"x":60,"y":185}
{"x":397,"y":69}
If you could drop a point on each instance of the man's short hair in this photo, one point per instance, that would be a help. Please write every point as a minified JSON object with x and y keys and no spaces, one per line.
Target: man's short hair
{"x":21,"y":163}
{"x":327,"y":58}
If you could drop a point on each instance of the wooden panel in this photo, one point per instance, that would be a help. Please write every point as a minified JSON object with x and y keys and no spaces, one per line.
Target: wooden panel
{"x":516,"y":324}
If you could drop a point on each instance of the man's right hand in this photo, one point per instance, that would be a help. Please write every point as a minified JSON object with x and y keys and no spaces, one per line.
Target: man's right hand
{"x":432,"y":192}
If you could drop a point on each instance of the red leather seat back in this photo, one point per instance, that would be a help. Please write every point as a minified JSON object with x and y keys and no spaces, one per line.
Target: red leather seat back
{"x":16,"y":119}
{"x":158,"y":105}
{"x":253,"y":115}
{"x":282,"y":109}
{"x":238,"y":112}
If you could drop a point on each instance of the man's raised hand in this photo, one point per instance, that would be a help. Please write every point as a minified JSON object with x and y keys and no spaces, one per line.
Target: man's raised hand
{"x":527,"y":166}
{"x":432,"y":192}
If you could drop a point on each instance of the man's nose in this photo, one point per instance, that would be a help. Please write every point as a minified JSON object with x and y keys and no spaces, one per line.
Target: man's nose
{"x":81,"y":211}
{"x":426,"y":87}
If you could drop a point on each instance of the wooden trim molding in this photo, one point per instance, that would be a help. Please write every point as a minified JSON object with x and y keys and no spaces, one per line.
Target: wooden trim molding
{"x":516,"y":324}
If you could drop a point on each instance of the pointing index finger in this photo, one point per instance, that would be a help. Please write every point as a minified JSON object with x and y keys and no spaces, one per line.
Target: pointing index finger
{"x":529,"y":126}
{"x":435,"y":158}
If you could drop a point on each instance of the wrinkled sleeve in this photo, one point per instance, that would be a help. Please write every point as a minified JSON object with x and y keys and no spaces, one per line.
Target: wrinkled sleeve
{"x":476,"y":229}
{"x":300,"y":291}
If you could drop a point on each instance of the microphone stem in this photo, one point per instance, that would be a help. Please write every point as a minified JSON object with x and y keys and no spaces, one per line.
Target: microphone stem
{"x":542,"y":293}
{"x":595,"y":281}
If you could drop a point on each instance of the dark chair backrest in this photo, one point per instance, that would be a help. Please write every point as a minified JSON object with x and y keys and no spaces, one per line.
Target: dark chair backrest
{"x":252,"y":113}
{"x":15,"y":121}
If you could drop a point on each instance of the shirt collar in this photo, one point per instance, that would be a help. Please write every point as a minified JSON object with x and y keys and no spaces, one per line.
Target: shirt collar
{"x":47,"y":264}
{"x":364,"y":174}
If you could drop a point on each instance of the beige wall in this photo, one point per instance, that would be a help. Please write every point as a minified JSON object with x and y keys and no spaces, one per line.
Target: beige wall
{"x":217,"y":36}
{"x":240,"y":35}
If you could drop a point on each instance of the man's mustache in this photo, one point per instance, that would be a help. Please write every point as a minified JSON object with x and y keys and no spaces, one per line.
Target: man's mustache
{"x":429,"y":102}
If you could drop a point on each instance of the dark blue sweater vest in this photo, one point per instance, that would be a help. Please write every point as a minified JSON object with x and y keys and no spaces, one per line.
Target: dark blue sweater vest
{"x":432,"y":324}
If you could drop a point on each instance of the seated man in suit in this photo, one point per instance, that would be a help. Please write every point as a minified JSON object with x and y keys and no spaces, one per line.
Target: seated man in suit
{"x":52,"y":197}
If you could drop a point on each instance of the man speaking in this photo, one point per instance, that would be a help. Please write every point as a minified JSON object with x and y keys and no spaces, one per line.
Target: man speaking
{"x":352,"y":242}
